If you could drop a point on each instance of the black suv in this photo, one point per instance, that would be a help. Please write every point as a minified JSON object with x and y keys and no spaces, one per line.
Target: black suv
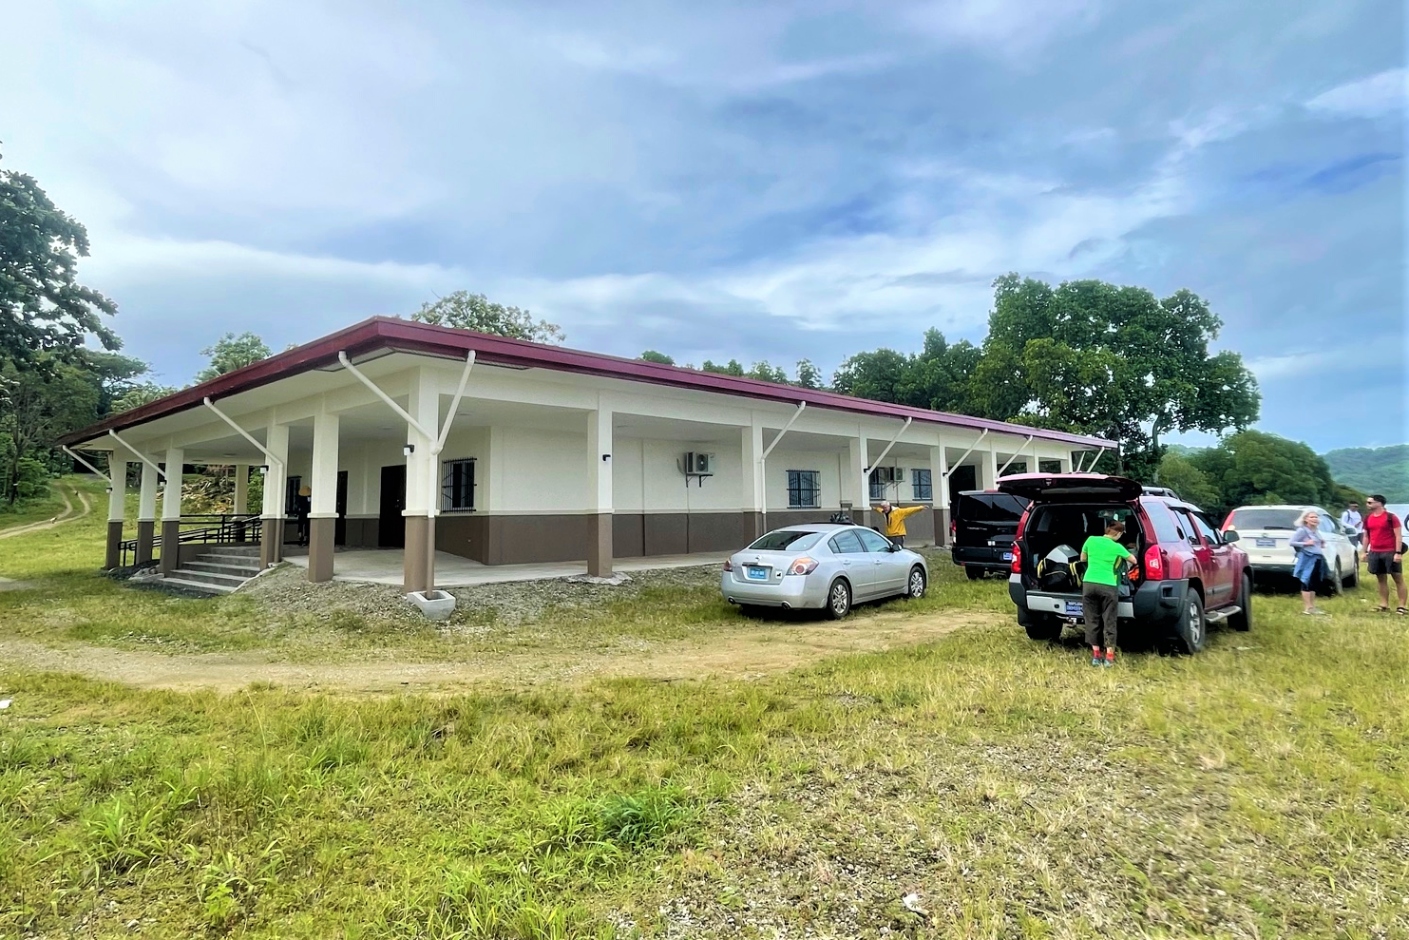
{"x":982,"y":525}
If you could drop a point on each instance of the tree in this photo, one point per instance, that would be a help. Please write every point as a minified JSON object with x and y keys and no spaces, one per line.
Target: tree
{"x":767,"y":373}
{"x":142,"y":394}
{"x":651,"y":355}
{"x":232,"y":352}
{"x":1253,"y":467}
{"x":808,"y":375}
{"x":43,"y":399}
{"x":732,"y":367}
{"x":43,"y":308}
{"x":1092,"y":357}
{"x":477,"y":313}
{"x":876,"y":375}
{"x":940,"y":376}
{"x":1179,"y":474}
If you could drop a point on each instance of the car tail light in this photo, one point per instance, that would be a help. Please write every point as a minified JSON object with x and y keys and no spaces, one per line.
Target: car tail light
{"x":1017,"y":566}
{"x":803,"y":565}
{"x":1154,"y":563}
{"x":728,"y":564}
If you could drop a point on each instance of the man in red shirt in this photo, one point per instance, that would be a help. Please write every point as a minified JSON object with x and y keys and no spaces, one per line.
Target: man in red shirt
{"x":1384,"y":540}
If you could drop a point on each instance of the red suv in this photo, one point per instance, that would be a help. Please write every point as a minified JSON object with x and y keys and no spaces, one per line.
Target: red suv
{"x":1186,"y":575}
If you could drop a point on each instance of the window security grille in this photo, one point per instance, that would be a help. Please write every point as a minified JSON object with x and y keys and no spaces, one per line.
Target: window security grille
{"x":457,"y":485}
{"x":804,"y":489}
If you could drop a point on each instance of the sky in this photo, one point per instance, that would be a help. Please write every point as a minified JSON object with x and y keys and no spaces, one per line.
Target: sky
{"x":763,"y":181}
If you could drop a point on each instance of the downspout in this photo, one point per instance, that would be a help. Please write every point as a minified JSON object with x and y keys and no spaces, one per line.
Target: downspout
{"x":1015,"y":456}
{"x":882,"y":457}
{"x":437,"y":442}
{"x":763,"y":461}
{"x":950,"y":472}
{"x":141,"y":456}
{"x":1095,"y":460}
{"x":268,"y":454}
{"x":87,"y":464}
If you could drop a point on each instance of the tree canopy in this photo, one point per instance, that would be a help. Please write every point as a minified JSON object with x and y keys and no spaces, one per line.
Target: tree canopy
{"x":465,"y":311}
{"x":43,"y":308}
{"x":232,"y":352}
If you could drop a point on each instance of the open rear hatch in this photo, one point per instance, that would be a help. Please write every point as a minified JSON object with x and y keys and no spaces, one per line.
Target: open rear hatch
{"x":1070,"y":487}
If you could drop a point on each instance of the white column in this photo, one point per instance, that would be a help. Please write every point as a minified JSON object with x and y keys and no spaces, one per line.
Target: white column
{"x":754,"y":495}
{"x":324,"y":478}
{"x":857,"y":486}
{"x":599,"y":493}
{"x":1064,"y":462}
{"x":171,"y":495}
{"x":939,"y":467}
{"x":147,"y":500}
{"x":987,"y":467}
{"x":242,"y":489}
{"x":277,"y":442}
{"x":117,"y":494}
{"x":599,"y":465}
{"x":423,"y":404}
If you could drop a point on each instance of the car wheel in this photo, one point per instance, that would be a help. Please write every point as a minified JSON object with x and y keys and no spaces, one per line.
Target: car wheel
{"x":838,"y":600}
{"x":975,"y":574}
{"x":1242,"y":620}
{"x":1043,"y":627}
{"x":1192,"y":629}
{"x":915,"y":586}
{"x":1333,"y":585}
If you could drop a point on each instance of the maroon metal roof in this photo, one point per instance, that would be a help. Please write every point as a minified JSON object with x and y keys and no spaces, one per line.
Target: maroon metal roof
{"x":409,"y":336}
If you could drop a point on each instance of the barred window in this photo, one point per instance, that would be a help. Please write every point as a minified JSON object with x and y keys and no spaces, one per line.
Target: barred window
{"x":804,"y":489}
{"x":457,"y":485}
{"x":921,"y":487}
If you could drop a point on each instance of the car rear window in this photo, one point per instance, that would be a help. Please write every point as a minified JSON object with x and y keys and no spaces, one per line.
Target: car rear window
{"x":1265,"y":518}
{"x":784,"y":540}
{"x":990,"y":507}
{"x":1166,"y":530}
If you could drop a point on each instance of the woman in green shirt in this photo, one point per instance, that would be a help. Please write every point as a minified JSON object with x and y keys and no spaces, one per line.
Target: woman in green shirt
{"x":1100,"y":592}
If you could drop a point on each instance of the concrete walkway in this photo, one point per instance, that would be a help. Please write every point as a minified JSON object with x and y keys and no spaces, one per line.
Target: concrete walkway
{"x":384,"y":566}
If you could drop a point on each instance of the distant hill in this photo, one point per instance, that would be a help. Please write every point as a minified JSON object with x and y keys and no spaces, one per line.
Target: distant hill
{"x":1373,"y":470}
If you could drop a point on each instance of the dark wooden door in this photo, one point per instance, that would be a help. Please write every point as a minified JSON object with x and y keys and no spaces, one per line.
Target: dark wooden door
{"x":391,"y":527}
{"x":340,"y":527}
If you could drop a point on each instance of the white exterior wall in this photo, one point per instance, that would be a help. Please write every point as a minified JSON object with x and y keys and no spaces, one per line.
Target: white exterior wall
{"x":536,"y":471}
{"x":830,"y":466}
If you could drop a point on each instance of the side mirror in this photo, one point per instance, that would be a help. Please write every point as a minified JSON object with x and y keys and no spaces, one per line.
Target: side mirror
{"x":1230,"y":536}
{"x":895,"y":548}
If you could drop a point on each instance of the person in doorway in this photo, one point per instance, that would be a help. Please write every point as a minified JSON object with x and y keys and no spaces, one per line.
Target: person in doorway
{"x":1100,"y":591}
{"x":1384,"y":552}
{"x":1310,"y":548}
{"x":303,"y":505}
{"x":1351,"y":523}
{"x":895,"y":517}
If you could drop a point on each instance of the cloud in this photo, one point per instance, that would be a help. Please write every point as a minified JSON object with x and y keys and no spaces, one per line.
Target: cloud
{"x":1376,"y":95}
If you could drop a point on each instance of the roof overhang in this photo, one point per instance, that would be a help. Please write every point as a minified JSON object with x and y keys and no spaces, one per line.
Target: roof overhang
{"x":381,"y":336}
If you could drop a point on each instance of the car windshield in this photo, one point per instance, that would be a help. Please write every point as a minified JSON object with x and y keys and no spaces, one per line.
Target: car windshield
{"x":786,"y":540}
{"x":1265,"y":518}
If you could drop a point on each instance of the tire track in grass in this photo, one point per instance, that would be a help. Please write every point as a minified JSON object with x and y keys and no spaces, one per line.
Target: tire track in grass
{"x":67,"y":515}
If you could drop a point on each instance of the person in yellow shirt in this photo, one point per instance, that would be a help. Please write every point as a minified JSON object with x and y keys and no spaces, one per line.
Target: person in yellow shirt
{"x":895,"y":517}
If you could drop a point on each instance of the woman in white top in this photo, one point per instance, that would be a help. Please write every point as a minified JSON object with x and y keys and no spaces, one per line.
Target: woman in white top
{"x":1310,"y":550}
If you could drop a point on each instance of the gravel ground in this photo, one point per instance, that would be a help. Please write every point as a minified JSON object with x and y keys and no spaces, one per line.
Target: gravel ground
{"x":286,"y":590}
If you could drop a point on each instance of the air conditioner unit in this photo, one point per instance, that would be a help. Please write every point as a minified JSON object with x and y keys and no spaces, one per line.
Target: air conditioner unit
{"x":699,"y":464}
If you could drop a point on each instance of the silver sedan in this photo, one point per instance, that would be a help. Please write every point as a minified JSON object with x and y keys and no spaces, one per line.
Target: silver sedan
{"x":822,"y":566}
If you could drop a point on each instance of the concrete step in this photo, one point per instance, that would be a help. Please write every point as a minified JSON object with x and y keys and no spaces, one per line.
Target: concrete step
{"x":231,"y":581}
{"x":222,"y":567}
{"x":226,"y":558}
{"x":236,"y":548}
{"x":198,"y":586}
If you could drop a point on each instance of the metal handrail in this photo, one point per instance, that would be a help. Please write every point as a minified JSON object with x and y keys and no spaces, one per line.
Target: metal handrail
{"x":231,"y":529}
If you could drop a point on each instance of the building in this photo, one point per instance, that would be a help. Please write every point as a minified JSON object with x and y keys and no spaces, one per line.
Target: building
{"x":502,"y":451}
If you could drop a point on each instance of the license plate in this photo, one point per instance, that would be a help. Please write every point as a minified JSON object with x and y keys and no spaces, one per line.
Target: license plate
{"x":754,"y":573}
{"x":1073,"y":608}
{"x":1007,"y":556}
{"x":1266,"y":543}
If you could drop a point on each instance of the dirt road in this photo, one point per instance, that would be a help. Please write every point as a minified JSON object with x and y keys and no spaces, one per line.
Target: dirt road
{"x":67,"y":515}
{"x":750,"y":653}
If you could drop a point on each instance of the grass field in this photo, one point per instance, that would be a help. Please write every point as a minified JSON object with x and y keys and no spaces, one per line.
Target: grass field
{"x":40,"y":509}
{"x":1260,"y":789}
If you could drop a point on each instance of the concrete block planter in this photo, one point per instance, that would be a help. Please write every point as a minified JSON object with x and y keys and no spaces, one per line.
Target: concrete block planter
{"x":435,"y":605}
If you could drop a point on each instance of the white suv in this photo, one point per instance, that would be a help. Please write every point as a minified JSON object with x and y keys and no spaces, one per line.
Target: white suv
{"x":1265,"y":533}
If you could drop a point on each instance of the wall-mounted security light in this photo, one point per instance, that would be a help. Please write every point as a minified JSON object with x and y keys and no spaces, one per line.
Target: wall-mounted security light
{"x":606,"y":456}
{"x":263,"y":469}
{"x":408,"y":450}
{"x":110,"y":491}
